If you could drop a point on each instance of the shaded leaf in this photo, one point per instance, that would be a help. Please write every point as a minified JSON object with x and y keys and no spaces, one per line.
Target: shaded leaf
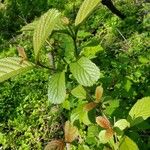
{"x":112,"y":105}
{"x":57,"y":88}
{"x":11,"y":66}
{"x":71,"y":132}
{"x":85,"y":71}
{"x":86,"y":8}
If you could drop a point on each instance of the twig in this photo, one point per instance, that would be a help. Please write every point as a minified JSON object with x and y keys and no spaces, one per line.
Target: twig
{"x":46,"y":67}
{"x":121,"y":35}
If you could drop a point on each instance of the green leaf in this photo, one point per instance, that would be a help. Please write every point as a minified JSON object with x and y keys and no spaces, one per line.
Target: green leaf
{"x":57,"y":89}
{"x":128,"y":85}
{"x":29,"y":26}
{"x":83,"y":147}
{"x":140,"y":111}
{"x":79,"y":92}
{"x":91,"y":51}
{"x":67,"y":44}
{"x":43,"y":29}
{"x":92,"y":131}
{"x":86,"y":8}
{"x":12,"y":66}
{"x":103,"y":138}
{"x":85,"y":71}
{"x":122,"y":124}
{"x":112,"y":106}
{"x":80,"y":114}
{"x":66,"y":105}
{"x":128,"y":144}
{"x":143,"y":60}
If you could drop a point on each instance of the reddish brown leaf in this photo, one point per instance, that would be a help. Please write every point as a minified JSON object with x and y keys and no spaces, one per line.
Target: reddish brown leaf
{"x":55,"y":145}
{"x":71,"y":132}
{"x":22,"y":53}
{"x":109,"y":133}
{"x":103,"y":122}
{"x":90,"y":106}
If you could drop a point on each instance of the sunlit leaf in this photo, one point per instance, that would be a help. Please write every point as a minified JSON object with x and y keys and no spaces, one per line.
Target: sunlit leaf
{"x":43,"y":29}
{"x":91,"y":51}
{"x":71,"y":132}
{"x":86,"y":8}
{"x":140,"y":111}
{"x":56,"y":88}
{"x":66,"y":104}
{"x":11,"y":66}
{"x":122,"y":124}
{"x":55,"y":145}
{"x":128,"y":144}
{"x":79,"y":92}
{"x":85,"y":71}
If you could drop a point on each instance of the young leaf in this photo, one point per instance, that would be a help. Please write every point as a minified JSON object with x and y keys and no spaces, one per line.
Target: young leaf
{"x":85,"y":71}
{"x":122,"y":124}
{"x":103,"y":122}
{"x":57,"y":89}
{"x":140,"y":111}
{"x":71,"y":132}
{"x":80,"y":114}
{"x":109,"y":133}
{"x":55,"y":145}
{"x":128,"y":144}
{"x":43,"y":29}
{"x":90,"y":106}
{"x":86,"y":8}
{"x":98,"y":93}
{"x":79,"y":92}
{"x":105,"y":136}
{"x":11,"y":66}
{"x":22,"y":53}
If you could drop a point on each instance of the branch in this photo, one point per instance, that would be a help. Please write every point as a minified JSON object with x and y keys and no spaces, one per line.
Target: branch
{"x":109,"y":4}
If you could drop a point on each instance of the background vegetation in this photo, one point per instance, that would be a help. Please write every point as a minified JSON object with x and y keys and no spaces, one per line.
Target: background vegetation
{"x":27,"y":119}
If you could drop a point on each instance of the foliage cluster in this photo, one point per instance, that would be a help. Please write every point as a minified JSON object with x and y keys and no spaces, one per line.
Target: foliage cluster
{"x":71,"y":60}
